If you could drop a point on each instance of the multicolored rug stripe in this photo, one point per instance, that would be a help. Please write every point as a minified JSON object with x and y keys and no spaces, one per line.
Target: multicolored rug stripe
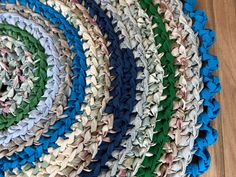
{"x":106,"y":88}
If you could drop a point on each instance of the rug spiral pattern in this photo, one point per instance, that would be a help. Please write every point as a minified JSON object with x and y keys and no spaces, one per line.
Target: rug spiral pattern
{"x":108,"y":88}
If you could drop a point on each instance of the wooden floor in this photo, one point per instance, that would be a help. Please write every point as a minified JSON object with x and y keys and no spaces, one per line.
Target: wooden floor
{"x":222,"y":17}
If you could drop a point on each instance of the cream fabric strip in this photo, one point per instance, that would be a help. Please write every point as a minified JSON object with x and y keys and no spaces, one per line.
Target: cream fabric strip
{"x":183,"y":125}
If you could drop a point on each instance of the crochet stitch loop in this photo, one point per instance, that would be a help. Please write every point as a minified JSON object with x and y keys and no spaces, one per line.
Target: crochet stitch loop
{"x":212,"y":85}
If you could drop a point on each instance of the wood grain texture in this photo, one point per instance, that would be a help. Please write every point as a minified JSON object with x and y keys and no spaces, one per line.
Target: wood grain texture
{"x":222,"y":18}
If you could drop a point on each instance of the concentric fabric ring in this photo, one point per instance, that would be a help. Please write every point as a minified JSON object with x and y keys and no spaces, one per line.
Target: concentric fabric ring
{"x":82,"y":118}
{"x":98,"y":103}
{"x":56,"y":109}
{"x":166,"y":108}
{"x":88,"y":139}
{"x":55,"y":131}
{"x":183,"y":131}
{"x":52,"y":85}
{"x":16,"y":74}
{"x":134,"y":88}
{"x":129,"y":15}
{"x":122,"y":111}
{"x":36,"y":93}
{"x":104,"y":121}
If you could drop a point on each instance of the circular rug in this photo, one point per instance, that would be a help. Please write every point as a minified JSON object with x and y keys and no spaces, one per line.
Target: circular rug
{"x":106,"y":88}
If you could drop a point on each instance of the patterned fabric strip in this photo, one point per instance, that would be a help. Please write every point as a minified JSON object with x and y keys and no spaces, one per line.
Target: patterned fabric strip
{"x":184,"y":127}
{"x":166,"y":106}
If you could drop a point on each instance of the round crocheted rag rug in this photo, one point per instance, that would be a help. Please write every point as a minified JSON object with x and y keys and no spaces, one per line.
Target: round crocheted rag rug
{"x":108,"y":88}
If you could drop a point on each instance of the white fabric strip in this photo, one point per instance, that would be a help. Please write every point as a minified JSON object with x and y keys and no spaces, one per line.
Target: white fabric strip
{"x":52,"y":85}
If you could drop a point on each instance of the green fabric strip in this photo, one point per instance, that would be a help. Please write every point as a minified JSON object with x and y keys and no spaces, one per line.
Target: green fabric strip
{"x":40,"y":71}
{"x":161,"y":130}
